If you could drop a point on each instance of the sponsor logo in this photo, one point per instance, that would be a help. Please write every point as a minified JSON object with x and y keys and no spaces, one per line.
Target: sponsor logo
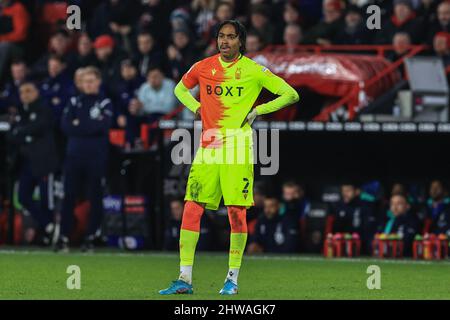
{"x":226,"y":91}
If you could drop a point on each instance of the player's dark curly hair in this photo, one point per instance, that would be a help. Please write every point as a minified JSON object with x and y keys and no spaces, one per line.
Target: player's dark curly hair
{"x":239,"y":29}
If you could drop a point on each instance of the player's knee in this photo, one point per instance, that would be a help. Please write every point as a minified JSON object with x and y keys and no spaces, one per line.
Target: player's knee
{"x":238,"y":219}
{"x":192,"y":215}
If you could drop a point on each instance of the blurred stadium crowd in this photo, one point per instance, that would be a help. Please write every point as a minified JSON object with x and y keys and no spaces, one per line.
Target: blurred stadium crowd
{"x":140,"y":49}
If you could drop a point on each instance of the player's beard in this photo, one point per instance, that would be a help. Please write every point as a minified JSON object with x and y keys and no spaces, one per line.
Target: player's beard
{"x":229,"y":55}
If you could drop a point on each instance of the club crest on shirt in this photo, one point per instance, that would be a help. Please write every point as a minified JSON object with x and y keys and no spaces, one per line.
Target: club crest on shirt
{"x":213,"y":71}
{"x":94,"y":112}
{"x":237,"y":74}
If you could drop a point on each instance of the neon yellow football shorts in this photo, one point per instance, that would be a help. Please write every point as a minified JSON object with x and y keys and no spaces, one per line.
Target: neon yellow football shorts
{"x":215,"y":173}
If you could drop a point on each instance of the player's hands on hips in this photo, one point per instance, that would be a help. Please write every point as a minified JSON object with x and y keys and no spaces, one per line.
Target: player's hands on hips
{"x":252,"y":116}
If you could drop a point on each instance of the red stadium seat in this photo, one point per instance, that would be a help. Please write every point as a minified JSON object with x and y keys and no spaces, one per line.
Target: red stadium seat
{"x":117,"y":137}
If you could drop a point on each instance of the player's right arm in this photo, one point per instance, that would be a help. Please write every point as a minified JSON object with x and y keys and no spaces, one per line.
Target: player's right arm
{"x":188,"y":81}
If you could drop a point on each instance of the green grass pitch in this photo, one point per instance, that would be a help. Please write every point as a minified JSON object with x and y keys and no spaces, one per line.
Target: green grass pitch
{"x":36,"y":274}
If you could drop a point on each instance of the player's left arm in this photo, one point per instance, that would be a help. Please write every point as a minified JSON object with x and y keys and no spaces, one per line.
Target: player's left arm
{"x":275,"y":84}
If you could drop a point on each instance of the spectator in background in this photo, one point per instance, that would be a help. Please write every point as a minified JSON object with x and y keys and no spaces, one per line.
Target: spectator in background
{"x":155,"y":96}
{"x":441,"y":47}
{"x":253,"y":43}
{"x":223,"y":11}
{"x":324,"y":32}
{"x":14,"y":23}
{"x":113,"y":16}
{"x":291,"y":15}
{"x":401,"y":42}
{"x":181,"y":54}
{"x":404,"y":20}
{"x":273,"y":232}
{"x":33,"y":134}
{"x":353,"y":215}
{"x":107,"y":58}
{"x":58,"y":87}
{"x":292,"y":37}
{"x":180,"y":18}
{"x":354,"y":30}
{"x":438,"y":209}
{"x":148,"y":53}
{"x":85,"y":53}
{"x":125,"y":89}
{"x":400,"y":220}
{"x":122,"y":17}
{"x":399,"y":188}
{"x":78,"y":80}
{"x":155,"y":18}
{"x":260,"y":23}
{"x":203,"y":11}
{"x":427,"y":10}
{"x":10,"y":98}
{"x":441,"y":24}
{"x":294,"y":201}
{"x":86,"y":122}
{"x":58,"y":46}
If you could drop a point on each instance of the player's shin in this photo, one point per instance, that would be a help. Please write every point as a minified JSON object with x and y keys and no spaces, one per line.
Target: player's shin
{"x":238,"y":240}
{"x":189,"y":234}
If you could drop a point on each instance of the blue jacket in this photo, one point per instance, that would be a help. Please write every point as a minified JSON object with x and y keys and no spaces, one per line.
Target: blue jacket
{"x":279,"y":234}
{"x":89,"y":138}
{"x":125,"y":91}
{"x":56,"y":92}
{"x":439,"y":216}
{"x":10,"y":96}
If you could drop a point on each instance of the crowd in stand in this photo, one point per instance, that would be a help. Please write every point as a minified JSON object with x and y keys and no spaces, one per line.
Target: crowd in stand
{"x":142,"y":48}
{"x":279,"y":224}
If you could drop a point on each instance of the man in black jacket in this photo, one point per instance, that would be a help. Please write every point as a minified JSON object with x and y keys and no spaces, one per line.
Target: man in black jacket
{"x":438,"y":209}
{"x":404,"y":19}
{"x":400,"y":220}
{"x":32,"y":132}
{"x":352,"y":214}
{"x":441,"y":24}
{"x":273,"y":232}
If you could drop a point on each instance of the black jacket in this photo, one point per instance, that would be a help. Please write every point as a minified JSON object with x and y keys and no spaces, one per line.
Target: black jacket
{"x":33,"y":133}
{"x":439,"y":216}
{"x":414,"y":27}
{"x":407,"y":225}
